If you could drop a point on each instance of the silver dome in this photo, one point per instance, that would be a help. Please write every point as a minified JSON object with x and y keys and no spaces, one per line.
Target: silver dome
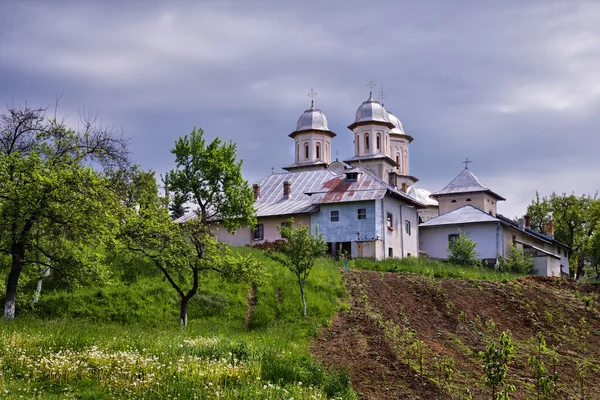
{"x":312,"y":119}
{"x":398,"y":128}
{"x":371,"y":110}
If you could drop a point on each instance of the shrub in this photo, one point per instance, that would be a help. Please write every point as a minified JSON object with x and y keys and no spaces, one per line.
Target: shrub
{"x":275,"y":245}
{"x":516,"y":261}
{"x":461,"y":251}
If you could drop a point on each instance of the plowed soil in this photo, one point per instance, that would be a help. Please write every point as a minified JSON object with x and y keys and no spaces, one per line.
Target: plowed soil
{"x":457,"y":318}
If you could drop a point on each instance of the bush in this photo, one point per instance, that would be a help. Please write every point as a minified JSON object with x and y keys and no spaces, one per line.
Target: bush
{"x":516,"y":261}
{"x":275,"y":245}
{"x":461,"y":251}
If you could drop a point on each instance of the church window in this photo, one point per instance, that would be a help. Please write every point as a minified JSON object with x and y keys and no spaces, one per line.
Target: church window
{"x":326,"y":152}
{"x":378,"y":141}
{"x":298,"y":152}
{"x":398,"y":159}
{"x":318,"y":150}
{"x":357,"y":142}
{"x":362,"y":213}
{"x":366,"y":141}
{"x":407,"y":227}
{"x":390,"y":252}
{"x":335,"y":216}
{"x":468,"y":199}
{"x":259,"y":232}
{"x":306,"y":151}
{"x":453,"y":201}
{"x":390,"y":221}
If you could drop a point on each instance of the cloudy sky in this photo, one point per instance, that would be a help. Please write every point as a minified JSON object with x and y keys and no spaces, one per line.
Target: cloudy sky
{"x":512,"y":85}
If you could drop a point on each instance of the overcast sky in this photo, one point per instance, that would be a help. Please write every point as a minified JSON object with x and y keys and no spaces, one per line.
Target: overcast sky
{"x":512,"y":85}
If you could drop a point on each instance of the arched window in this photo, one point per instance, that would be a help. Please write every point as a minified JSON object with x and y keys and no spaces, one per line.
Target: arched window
{"x":453,"y":201}
{"x":468,"y":199}
{"x":398,"y":159}
{"x":366,"y":141}
{"x":297,"y":152}
{"x":357,"y":142}
{"x":405,"y":161}
{"x":387,"y":145}
{"x":326,"y":152}
{"x":318,"y":150}
{"x":378,"y":141}
{"x":306,"y":151}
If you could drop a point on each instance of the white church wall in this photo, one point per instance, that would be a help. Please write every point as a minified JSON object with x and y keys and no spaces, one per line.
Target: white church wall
{"x":397,"y":238}
{"x":434,"y":240}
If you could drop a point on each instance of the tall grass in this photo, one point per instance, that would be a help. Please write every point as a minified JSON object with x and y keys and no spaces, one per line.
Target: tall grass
{"x":434,"y":268}
{"x":122,"y":341}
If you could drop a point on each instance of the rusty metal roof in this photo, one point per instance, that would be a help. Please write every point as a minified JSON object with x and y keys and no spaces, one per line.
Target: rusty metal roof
{"x":366,"y":187}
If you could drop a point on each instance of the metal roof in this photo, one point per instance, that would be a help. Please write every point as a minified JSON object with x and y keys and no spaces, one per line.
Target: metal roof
{"x":398,"y":128}
{"x":466,"y":182}
{"x":464,"y":215}
{"x":272,"y":201}
{"x":366,"y":187}
{"x":422,"y":195}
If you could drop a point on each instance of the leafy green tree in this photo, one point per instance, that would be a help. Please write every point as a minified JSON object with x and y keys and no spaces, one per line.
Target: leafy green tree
{"x":54,"y":206}
{"x":177,"y":206}
{"x":461,"y":250}
{"x":496,"y":358}
{"x":210,"y":177}
{"x":545,"y":381}
{"x":516,"y":261}
{"x":299,"y":253}
{"x":576,"y":223}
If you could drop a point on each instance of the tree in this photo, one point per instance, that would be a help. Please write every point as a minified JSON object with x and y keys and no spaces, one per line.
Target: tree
{"x":177,"y":206}
{"x":53,"y":203}
{"x":461,"y":251}
{"x":300,"y":252}
{"x":516,"y":261}
{"x":576,"y":223}
{"x":496,"y":358}
{"x":210,"y":177}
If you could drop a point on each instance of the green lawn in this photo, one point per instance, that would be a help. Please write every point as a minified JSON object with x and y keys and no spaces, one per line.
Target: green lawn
{"x":123,"y":341}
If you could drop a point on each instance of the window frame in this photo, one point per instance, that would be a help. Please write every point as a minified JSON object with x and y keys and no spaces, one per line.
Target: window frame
{"x":336,"y":216}
{"x":259,"y":232}
{"x":407,"y":227}
{"x":361,"y":215}
{"x":390,"y":221}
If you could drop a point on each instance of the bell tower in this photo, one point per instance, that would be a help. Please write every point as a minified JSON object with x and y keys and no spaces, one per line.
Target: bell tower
{"x":312,"y":140}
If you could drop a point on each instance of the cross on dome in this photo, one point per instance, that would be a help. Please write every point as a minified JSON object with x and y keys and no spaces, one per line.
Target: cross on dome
{"x":371,"y":85}
{"x":382,"y":95}
{"x":312,"y":95}
{"x":467,"y":162}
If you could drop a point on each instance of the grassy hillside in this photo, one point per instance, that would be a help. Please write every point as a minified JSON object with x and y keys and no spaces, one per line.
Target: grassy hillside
{"x":123,"y":341}
{"x":400,"y":326}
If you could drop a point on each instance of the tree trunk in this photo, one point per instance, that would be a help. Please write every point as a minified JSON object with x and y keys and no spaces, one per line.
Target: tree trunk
{"x":303,"y":299}
{"x":183,"y":312}
{"x":580,"y":266}
{"x":38,"y":290}
{"x":18,"y":255}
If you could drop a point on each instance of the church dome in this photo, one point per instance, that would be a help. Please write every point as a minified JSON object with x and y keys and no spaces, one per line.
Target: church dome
{"x":398,"y":128}
{"x":312,"y":119}
{"x":371,"y":110}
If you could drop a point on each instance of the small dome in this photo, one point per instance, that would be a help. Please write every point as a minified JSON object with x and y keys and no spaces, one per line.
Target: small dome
{"x":398,"y":128}
{"x":371,"y":110}
{"x":312,"y":119}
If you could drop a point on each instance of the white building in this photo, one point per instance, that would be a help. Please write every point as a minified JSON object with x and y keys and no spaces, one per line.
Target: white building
{"x":468,"y":207}
{"x":360,"y":205}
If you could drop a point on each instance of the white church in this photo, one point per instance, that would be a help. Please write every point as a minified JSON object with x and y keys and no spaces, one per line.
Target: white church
{"x":368,"y":205}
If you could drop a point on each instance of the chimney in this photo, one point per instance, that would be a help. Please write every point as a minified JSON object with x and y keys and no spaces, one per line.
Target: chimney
{"x":404,"y":187}
{"x":256,"y":189}
{"x":393,"y":179}
{"x":521,"y":223}
{"x":287,"y":189}
{"x":550,"y":228}
{"x":527,"y":219}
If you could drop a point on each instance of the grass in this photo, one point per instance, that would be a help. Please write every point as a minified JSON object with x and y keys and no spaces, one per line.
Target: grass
{"x":433,"y":268}
{"x":123,"y":341}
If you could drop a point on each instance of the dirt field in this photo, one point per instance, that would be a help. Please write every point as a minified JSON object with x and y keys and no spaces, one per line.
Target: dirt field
{"x":399,"y":324}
